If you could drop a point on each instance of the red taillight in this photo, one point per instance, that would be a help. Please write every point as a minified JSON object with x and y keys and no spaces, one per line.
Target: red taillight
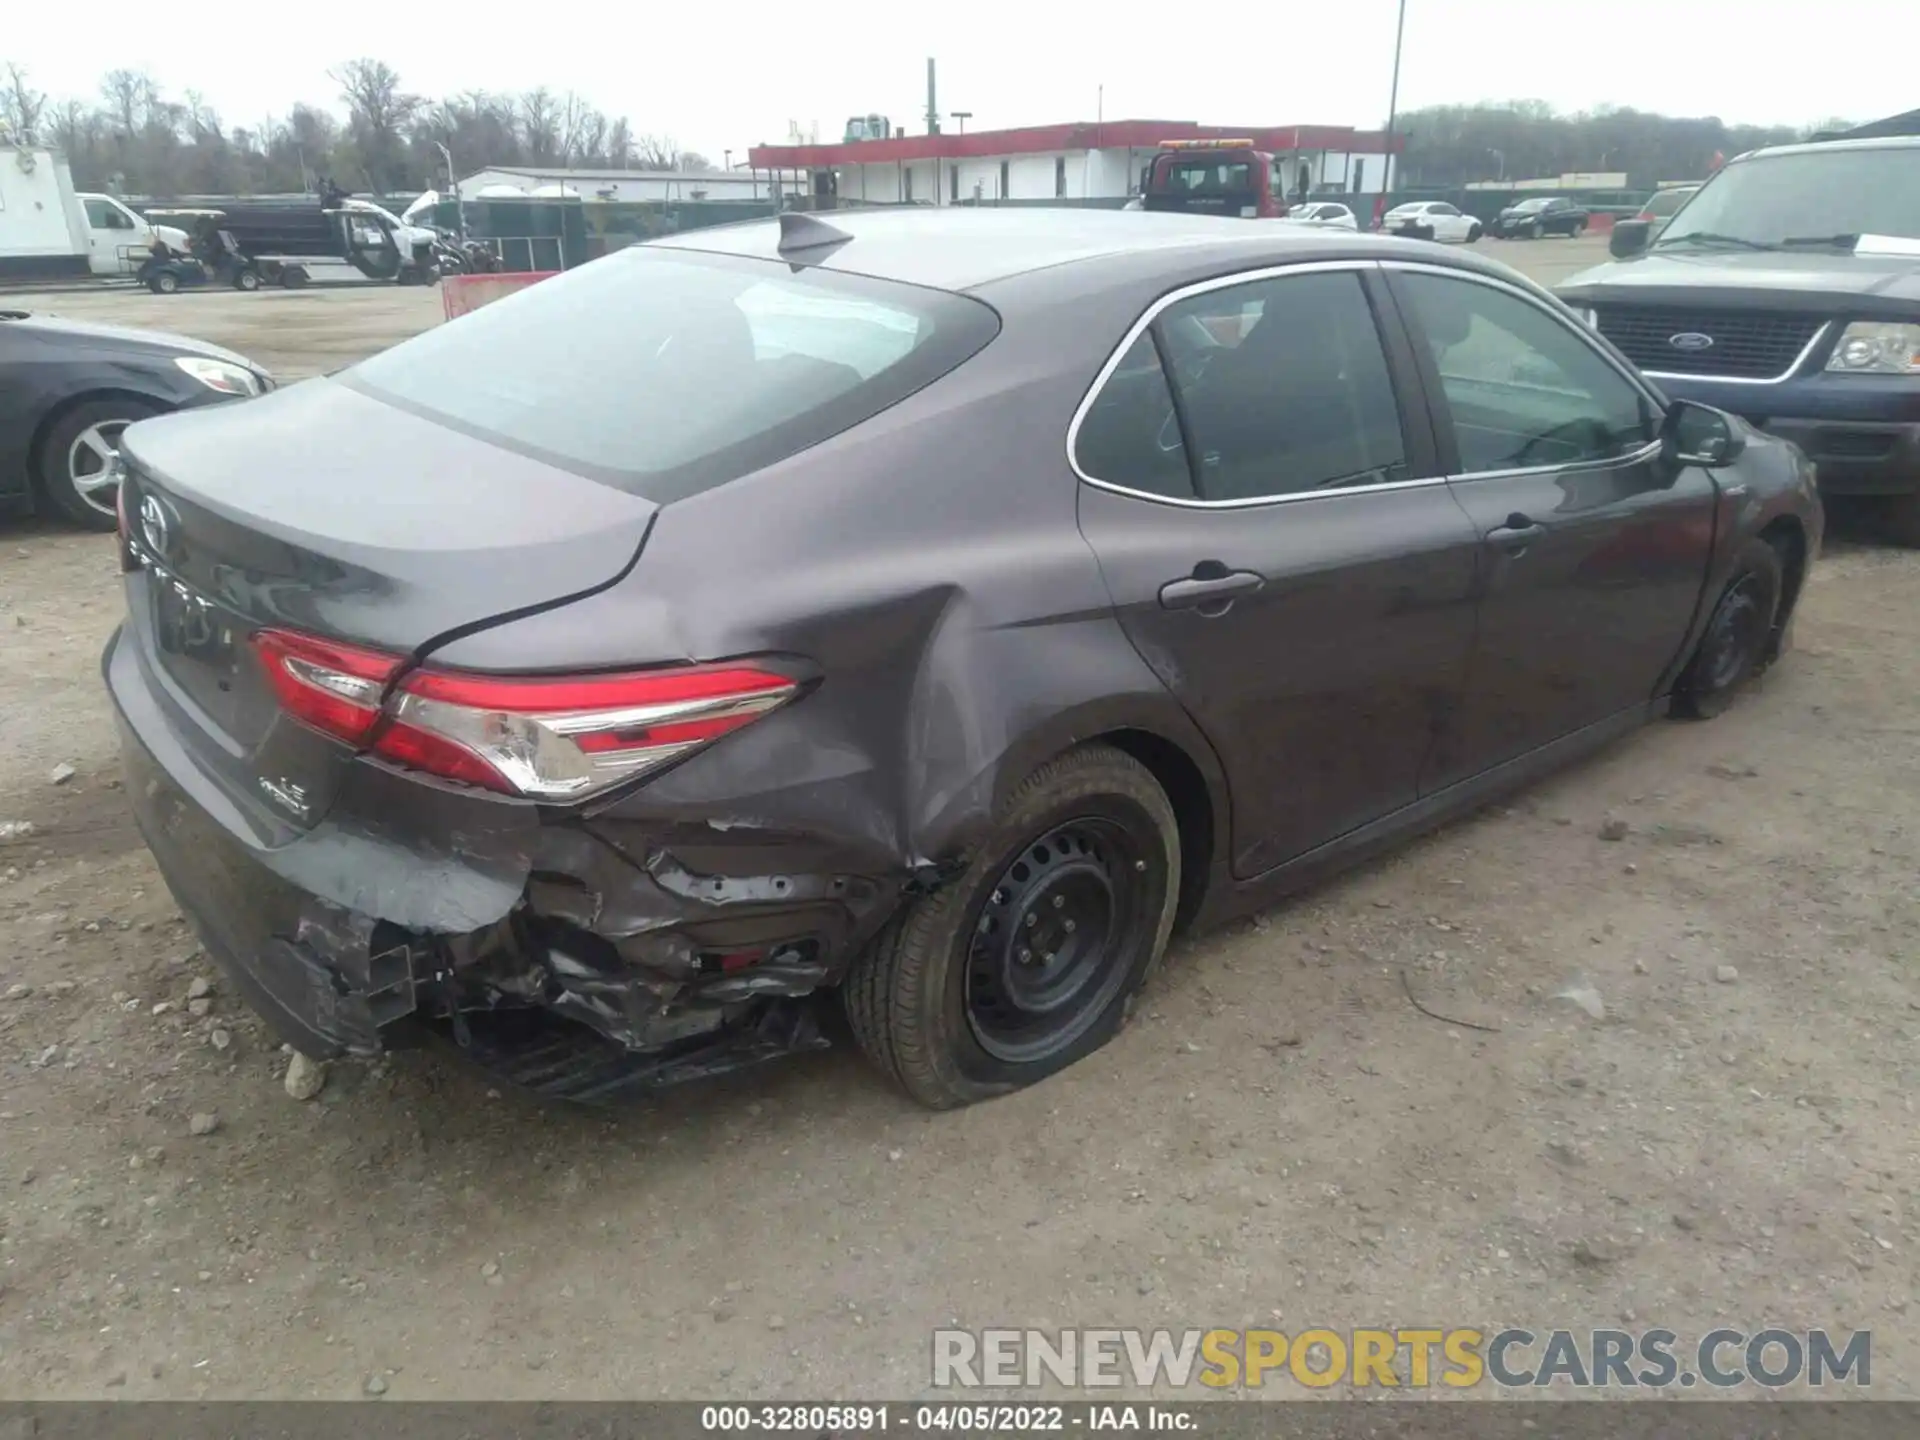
{"x":334,"y":688}
{"x":549,"y":738}
{"x":560,"y":739}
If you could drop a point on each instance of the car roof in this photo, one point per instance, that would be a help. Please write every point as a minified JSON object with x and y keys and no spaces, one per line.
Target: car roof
{"x":963,"y":247}
{"x":1821,"y":147}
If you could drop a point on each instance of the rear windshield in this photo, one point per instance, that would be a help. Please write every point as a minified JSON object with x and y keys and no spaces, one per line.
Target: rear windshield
{"x":1666,"y":202}
{"x":1204,"y":177}
{"x":666,"y":372}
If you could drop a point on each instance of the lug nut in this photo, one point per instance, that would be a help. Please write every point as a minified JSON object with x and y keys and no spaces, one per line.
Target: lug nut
{"x":1071,"y":927}
{"x":1058,"y":901}
{"x":1026,"y":956}
{"x":1031,"y":920}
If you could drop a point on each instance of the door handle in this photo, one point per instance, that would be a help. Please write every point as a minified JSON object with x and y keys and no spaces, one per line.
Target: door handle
{"x":1516,"y":535}
{"x":1211,"y":589}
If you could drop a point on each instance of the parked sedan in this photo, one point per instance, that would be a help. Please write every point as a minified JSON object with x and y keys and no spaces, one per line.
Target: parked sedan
{"x":1326,"y":213}
{"x":68,"y":389}
{"x":1531,"y":219}
{"x":935,"y":607}
{"x":1431,"y":220}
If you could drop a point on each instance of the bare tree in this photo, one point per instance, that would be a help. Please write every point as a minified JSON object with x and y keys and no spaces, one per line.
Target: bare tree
{"x":619,"y":144}
{"x":21,"y":106}
{"x":694,"y":162}
{"x":655,"y":152}
{"x":540,"y":122}
{"x":74,"y":128}
{"x":377,"y":110}
{"x":582,"y":129}
{"x":129,"y":94}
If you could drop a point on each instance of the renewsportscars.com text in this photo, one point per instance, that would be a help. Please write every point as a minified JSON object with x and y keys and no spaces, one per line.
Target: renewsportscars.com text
{"x":1457,"y":1358}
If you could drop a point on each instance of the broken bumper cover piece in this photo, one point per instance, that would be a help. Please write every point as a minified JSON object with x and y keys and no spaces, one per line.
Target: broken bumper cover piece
{"x":542,"y":951}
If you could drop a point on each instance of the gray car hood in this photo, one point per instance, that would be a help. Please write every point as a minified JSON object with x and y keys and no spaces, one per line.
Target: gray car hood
{"x":82,"y":334}
{"x":1823,"y":281}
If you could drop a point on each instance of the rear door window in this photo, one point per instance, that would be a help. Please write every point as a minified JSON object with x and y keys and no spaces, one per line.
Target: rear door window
{"x":1130,"y":436}
{"x":1283,"y":388}
{"x":667,"y":373}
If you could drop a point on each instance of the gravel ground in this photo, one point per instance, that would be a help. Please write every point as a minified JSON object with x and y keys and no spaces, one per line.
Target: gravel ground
{"x":1719,"y":1128}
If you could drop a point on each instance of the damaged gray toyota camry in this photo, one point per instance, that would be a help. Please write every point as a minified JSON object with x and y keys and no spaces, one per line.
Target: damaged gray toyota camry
{"x":931,"y":608}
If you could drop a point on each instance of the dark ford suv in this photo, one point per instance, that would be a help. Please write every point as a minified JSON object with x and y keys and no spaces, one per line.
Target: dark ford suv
{"x":1788,"y":291}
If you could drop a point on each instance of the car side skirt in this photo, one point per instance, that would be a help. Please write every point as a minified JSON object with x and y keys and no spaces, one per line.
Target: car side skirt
{"x":1228,"y":899}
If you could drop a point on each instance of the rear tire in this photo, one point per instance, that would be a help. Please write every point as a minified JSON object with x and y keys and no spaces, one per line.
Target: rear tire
{"x":1734,"y":647}
{"x":955,"y":1007}
{"x":164,"y":283}
{"x":74,"y":454}
{"x":293,"y":277}
{"x":246,"y":280}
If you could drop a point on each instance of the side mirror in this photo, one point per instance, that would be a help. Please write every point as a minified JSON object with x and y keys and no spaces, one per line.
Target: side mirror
{"x":1629,"y":238}
{"x":1694,"y":434}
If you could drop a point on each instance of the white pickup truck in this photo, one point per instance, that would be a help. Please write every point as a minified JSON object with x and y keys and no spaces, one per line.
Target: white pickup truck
{"x":118,"y":239}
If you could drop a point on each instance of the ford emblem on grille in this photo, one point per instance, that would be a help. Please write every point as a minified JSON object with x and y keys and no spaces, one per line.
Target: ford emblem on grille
{"x":1690,"y":340}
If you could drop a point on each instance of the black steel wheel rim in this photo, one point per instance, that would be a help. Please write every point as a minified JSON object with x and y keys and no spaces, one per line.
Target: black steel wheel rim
{"x":1054,"y":939}
{"x":1739,"y":627}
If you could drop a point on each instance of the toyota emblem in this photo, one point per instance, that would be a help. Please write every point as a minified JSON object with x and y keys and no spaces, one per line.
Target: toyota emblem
{"x":155,"y":529}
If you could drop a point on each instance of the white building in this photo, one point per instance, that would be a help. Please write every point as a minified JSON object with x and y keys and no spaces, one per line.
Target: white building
{"x":624,"y":184}
{"x":1088,"y":161}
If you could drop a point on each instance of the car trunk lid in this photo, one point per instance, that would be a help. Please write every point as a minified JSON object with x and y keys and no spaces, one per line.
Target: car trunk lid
{"x":389,"y":531}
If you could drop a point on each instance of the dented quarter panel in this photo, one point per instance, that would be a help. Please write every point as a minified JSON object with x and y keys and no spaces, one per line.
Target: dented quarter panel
{"x":962,"y":629}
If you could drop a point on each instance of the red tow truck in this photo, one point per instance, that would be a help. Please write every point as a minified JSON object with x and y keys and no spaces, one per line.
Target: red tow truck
{"x":1211,"y":177}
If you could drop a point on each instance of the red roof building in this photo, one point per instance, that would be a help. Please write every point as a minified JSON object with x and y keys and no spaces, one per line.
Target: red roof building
{"x":1087,"y":160}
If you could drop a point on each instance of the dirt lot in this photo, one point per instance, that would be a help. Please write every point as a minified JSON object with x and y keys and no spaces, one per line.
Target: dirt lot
{"x":1282,"y":1138}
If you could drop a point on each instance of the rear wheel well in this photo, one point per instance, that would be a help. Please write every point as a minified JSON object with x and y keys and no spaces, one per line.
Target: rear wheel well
{"x":1789,"y":541}
{"x":37,"y":446}
{"x":1186,"y":790}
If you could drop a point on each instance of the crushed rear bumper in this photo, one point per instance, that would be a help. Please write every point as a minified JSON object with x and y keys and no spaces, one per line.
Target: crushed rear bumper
{"x":539,"y":949}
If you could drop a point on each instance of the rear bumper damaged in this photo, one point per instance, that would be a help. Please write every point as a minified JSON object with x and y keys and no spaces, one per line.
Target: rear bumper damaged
{"x":558,"y":958}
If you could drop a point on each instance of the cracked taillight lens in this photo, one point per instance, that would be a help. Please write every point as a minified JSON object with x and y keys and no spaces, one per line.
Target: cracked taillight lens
{"x":561,"y":739}
{"x":546,"y":738}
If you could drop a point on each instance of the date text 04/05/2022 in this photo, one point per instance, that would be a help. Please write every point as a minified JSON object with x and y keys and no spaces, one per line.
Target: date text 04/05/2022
{"x":856,"y":1419}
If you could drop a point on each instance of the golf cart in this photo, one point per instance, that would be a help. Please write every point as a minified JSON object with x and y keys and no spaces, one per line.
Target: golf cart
{"x":213,"y":256}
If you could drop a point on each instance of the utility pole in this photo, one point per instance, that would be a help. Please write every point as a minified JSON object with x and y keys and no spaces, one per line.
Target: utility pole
{"x":933,"y":103}
{"x":1393,"y":105}
{"x":453,"y":184}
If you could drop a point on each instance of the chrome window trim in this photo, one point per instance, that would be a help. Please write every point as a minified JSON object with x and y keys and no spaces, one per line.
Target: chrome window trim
{"x":1586,"y":337}
{"x":1785,"y":375}
{"x":1641,"y":456}
{"x":1152,"y":313}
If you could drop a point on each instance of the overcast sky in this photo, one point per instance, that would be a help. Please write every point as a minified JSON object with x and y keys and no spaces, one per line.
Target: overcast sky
{"x":728,"y":75}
